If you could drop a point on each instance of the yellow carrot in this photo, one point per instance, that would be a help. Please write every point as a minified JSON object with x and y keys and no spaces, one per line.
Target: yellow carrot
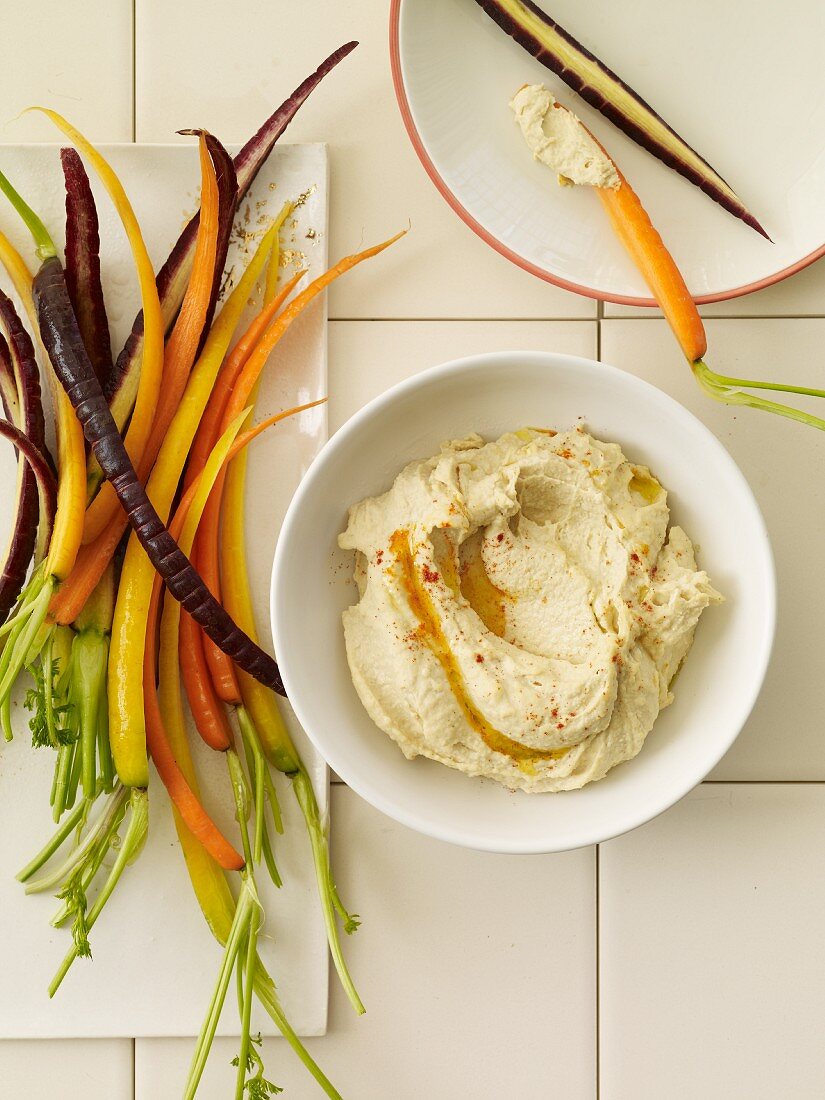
{"x":272,"y":269}
{"x":126,"y":721}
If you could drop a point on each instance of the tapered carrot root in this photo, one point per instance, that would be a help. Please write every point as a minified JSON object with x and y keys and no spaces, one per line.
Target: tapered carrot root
{"x":657,"y":267}
{"x":210,"y":426}
{"x":207,"y":709}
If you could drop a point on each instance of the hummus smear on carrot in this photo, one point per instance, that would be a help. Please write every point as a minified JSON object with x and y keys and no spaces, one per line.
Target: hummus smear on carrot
{"x":524,"y":606}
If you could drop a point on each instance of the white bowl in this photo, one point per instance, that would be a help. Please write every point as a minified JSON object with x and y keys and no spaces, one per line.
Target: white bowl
{"x":311,"y":586}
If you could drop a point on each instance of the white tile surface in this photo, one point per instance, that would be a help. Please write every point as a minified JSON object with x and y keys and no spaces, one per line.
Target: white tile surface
{"x":477,"y":972}
{"x":76,"y":58}
{"x":802,"y":295}
{"x":782,"y":461}
{"x":711,"y":949}
{"x":231,"y":81}
{"x":710,"y":958}
{"x":368,"y":357}
{"x":67,"y":1069}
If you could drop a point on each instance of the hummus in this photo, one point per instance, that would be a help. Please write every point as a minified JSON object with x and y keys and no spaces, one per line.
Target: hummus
{"x":557,"y":138}
{"x":523,"y":607}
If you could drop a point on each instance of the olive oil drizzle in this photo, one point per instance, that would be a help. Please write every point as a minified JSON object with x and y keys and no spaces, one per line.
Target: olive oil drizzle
{"x":432,"y":634}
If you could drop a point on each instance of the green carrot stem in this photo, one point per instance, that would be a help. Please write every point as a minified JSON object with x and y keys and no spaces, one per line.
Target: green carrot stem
{"x":130,"y":848}
{"x":269,"y":860}
{"x":100,"y":827}
{"x":44,"y":244}
{"x":244,"y":908}
{"x":249,"y":979}
{"x":330,"y":901}
{"x":75,"y":819}
{"x":252,"y":744}
{"x":5,"y":718}
{"x":256,"y":765}
{"x":749,"y":383}
{"x":87,"y":871}
{"x":48,"y":692}
{"x":106,"y":766}
{"x":25,"y":602}
{"x":268,"y":997}
{"x":74,"y":775}
{"x":63,"y":771}
{"x":62,"y":638}
{"x":16,"y":651}
{"x":55,"y":776}
{"x":719,"y":387}
{"x":89,"y":656}
{"x":240,"y":790}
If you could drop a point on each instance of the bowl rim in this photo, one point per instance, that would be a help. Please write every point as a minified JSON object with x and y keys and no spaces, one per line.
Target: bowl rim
{"x":419,"y":145}
{"x":642,"y":811}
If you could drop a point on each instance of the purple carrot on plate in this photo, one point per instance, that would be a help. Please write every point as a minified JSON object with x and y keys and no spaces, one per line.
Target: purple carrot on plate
{"x":599,"y":86}
{"x":23,"y":405}
{"x":83,"y":265}
{"x":174,"y":275}
{"x":61,"y":338}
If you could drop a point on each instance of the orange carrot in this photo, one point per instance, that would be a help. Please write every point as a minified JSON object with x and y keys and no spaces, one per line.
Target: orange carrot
{"x":646,"y":248}
{"x":221,"y":669}
{"x":182,"y":795}
{"x":90,"y":565}
{"x":180,"y":791}
{"x":207,"y":709}
{"x":210,"y":426}
{"x":202,"y":694}
{"x":181,"y":348}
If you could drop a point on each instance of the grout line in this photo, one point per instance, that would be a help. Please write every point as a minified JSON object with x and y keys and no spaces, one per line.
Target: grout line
{"x":598,"y":975}
{"x":600,"y":316}
{"x":337,"y":781}
{"x":134,"y":70}
{"x":763,"y":782}
{"x":464,"y":320}
{"x":722,"y":317}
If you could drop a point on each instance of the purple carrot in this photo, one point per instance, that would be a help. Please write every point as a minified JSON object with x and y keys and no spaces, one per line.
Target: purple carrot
{"x":62,"y":340}
{"x":45,"y":479}
{"x":26,"y":374}
{"x":174,"y":275}
{"x":20,"y":388}
{"x":83,"y":265}
{"x":8,"y":384}
{"x":599,"y":86}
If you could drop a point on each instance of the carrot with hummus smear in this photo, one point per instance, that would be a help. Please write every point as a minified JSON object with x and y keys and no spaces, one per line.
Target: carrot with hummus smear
{"x":656,"y":265}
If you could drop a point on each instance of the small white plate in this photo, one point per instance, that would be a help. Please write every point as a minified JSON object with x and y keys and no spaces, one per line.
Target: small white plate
{"x":743,"y":85}
{"x":492,"y":394}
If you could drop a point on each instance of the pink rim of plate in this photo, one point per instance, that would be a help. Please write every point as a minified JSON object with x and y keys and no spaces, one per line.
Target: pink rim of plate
{"x":514,"y":257}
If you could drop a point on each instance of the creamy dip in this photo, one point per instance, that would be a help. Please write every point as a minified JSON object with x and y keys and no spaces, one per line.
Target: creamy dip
{"x":523,"y":607}
{"x":557,"y":138}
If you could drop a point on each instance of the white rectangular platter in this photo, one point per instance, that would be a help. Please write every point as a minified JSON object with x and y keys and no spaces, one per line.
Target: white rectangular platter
{"x":155,"y":961}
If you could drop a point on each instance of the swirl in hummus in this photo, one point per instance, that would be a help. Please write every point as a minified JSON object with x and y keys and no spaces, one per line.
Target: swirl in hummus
{"x":523,"y":607}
